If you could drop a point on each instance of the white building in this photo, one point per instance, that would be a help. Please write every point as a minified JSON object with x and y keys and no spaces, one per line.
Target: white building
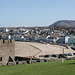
{"x":63,"y":39}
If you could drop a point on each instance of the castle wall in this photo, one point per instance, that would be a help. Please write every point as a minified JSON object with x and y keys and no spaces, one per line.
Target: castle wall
{"x":7,"y":50}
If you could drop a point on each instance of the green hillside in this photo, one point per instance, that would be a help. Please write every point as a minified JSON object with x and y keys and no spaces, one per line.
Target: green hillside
{"x":47,"y":68}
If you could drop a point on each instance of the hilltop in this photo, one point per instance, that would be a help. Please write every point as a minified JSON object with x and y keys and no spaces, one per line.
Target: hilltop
{"x":64,"y":23}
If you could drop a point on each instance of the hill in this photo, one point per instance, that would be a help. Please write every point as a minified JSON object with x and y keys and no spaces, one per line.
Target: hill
{"x":64,"y":23}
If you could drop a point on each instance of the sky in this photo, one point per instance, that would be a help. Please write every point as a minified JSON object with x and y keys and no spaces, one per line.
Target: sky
{"x":31,"y":13}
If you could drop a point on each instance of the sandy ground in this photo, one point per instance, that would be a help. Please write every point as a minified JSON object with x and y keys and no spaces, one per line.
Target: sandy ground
{"x":25,"y":49}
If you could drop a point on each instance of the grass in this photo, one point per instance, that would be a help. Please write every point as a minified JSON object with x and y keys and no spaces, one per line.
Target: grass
{"x":47,"y":68}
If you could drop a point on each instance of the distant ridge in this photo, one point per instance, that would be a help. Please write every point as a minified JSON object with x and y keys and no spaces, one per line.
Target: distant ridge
{"x":64,"y":23}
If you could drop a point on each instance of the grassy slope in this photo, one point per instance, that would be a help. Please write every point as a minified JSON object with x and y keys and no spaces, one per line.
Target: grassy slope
{"x":49,"y":68}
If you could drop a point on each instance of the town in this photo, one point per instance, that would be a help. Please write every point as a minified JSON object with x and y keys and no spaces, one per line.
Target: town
{"x":32,"y":44}
{"x":52,"y":35}
{"x":37,"y":37}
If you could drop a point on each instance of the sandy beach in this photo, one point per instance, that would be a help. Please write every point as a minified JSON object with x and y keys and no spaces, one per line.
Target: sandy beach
{"x":26,"y":49}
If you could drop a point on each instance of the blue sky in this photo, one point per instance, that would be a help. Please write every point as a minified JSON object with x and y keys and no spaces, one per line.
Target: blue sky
{"x":30,"y":13}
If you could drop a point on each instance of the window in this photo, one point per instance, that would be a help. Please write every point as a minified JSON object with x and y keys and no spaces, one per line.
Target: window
{"x":10,"y":41}
{"x":10,"y":50}
{"x":3,"y":41}
{"x":0,"y":58}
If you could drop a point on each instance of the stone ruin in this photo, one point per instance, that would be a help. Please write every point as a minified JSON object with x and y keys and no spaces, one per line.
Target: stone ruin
{"x":7,"y":52}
